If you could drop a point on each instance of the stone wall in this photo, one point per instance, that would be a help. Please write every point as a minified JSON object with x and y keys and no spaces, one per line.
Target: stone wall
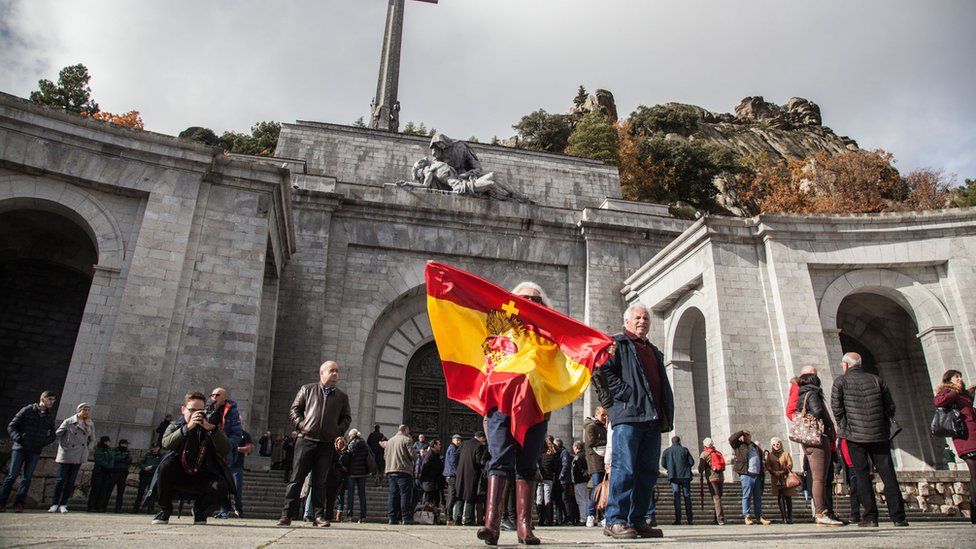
{"x":368,"y":157}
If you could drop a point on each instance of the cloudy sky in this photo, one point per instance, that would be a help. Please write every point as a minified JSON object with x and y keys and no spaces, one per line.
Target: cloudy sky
{"x":889,"y":73}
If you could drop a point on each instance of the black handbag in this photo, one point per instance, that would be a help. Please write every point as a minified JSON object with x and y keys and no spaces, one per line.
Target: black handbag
{"x":948,"y":422}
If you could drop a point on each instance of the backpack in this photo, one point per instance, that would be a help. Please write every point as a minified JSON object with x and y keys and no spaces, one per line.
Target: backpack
{"x":717,"y":461}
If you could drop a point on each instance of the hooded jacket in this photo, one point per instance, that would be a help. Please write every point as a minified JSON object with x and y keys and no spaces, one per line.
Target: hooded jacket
{"x":594,"y":437}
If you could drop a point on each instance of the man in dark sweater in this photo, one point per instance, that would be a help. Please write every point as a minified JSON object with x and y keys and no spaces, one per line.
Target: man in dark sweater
{"x":678,"y":462}
{"x":147,"y":468}
{"x":31,"y":430}
{"x":121,"y":459}
{"x":864,"y":410}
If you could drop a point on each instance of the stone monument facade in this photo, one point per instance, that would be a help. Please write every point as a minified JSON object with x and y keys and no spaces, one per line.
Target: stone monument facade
{"x":151,"y":266}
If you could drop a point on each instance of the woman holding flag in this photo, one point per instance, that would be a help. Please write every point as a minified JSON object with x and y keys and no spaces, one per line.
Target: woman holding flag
{"x":513,"y":359}
{"x":509,"y":458}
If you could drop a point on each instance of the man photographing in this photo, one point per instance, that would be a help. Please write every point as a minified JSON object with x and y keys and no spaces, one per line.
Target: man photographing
{"x":195,"y":464}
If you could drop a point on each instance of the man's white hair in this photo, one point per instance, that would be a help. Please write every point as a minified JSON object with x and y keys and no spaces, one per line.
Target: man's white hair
{"x":633,"y":307}
{"x":852,"y":360}
{"x":529,"y":285}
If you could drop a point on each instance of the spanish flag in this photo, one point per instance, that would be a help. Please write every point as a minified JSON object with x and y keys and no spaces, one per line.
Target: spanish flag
{"x":501,"y":350}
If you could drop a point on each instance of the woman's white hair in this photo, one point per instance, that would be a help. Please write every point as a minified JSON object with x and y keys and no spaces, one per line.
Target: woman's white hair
{"x":353,"y":433}
{"x":528,"y":285}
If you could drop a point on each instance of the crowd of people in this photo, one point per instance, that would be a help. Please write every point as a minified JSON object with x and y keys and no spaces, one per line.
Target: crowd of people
{"x":491,"y":480}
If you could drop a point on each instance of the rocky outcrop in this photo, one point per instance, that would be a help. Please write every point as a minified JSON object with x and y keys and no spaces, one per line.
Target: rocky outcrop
{"x":600,"y":101}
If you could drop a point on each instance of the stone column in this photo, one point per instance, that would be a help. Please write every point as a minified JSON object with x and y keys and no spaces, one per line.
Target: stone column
{"x":685,"y":420}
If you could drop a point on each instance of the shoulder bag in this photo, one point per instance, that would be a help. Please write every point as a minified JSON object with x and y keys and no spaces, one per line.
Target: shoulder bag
{"x":805,"y":428}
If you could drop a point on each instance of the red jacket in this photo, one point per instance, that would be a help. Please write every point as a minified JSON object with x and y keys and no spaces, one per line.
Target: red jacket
{"x":793,"y":400}
{"x":950,"y":397}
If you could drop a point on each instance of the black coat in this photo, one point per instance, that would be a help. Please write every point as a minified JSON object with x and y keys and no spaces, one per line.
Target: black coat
{"x":432,"y":470}
{"x":470,"y":464}
{"x":32,"y":430}
{"x":355,"y":458}
{"x":817,"y":407}
{"x":862,"y":406}
{"x":549,"y":465}
{"x":633,"y":401}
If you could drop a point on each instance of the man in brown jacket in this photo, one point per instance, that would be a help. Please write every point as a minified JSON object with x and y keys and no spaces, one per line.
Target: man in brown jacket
{"x":321,"y":414}
{"x":748,"y":464}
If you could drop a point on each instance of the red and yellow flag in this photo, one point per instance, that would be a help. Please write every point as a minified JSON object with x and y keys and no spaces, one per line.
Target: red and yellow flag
{"x":501,"y":350}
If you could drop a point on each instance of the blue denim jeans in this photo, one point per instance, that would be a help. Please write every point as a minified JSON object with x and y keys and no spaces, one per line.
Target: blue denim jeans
{"x":399,"y":497}
{"x":681,"y":488}
{"x":751,"y":496}
{"x":507,"y":457}
{"x":595,"y":479}
{"x":238,"y":474}
{"x":351,"y":483}
{"x":635,"y":455}
{"x":21,"y":463}
{"x":64,"y":486}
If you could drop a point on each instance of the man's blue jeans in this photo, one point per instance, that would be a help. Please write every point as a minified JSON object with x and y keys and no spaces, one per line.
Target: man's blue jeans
{"x":23,"y":463}
{"x":636,"y":453}
{"x":681,"y":487}
{"x":238,"y":474}
{"x":596,"y":479}
{"x":398,"y":499}
{"x":751,"y":496}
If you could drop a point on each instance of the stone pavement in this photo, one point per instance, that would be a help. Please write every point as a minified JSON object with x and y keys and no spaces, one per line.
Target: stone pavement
{"x":89,"y":530}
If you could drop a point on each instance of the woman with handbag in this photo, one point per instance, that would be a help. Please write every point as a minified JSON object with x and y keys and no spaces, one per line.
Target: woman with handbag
{"x":814,"y":416}
{"x":952,"y":394}
{"x":779,"y":463}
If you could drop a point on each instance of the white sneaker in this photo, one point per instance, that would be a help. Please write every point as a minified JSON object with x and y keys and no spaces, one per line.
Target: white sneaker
{"x":53,"y":509}
{"x":603,"y":522}
{"x":63,"y":509}
{"x":590,"y":520}
{"x":825,"y":520}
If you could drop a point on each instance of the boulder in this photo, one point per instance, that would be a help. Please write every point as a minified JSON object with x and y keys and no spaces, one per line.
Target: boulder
{"x":924,"y":488}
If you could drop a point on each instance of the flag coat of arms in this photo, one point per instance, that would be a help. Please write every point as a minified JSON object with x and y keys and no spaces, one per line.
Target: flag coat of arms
{"x":501,"y":350}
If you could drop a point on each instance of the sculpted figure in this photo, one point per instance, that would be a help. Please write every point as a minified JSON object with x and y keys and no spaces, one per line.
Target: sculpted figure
{"x":456,"y":168}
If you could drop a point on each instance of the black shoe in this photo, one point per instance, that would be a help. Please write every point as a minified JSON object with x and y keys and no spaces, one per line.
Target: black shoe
{"x":676,"y":522}
{"x":199,"y":521}
{"x":868,"y":524}
{"x":161,"y":517}
{"x":508,"y":525}
{"x":901,"y":523}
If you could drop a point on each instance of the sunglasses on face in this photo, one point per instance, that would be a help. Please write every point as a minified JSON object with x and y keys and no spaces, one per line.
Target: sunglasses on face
{"x":532,"y":298}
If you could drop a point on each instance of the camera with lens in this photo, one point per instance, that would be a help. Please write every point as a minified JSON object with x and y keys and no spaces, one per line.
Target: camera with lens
{"x":212,"y":414}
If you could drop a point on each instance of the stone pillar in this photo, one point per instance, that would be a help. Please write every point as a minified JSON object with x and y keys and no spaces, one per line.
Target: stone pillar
{"x":685,"y":419}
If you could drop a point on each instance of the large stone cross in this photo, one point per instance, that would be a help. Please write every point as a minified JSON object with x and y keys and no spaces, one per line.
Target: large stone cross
{"x":386,"y":108}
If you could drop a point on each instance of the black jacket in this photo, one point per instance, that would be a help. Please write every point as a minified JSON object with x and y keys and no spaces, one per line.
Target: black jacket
{"x":355,"y":458}
{"x":549,"y":465}
{"x":32,"y":430}
{"x":632,"y":398}
{"x":816,"y":406}
{"x":432,"y":470}
{"x":678,"y":462}
{"x":862,"y":406}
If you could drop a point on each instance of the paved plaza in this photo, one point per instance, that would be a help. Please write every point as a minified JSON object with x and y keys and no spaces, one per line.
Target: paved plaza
{"x":88,"y":530}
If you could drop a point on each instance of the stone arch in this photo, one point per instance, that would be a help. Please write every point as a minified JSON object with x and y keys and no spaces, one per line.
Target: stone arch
{"x":38,"y":193}
{"x":687,"y":357}
{"x":399,"y":331}
{"x":925,"y":308}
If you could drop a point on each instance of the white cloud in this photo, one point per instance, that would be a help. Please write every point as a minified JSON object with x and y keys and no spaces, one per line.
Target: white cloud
{"x":891,"y":74}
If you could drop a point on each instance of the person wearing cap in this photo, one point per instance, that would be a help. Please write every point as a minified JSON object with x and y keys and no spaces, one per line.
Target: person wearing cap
{"x":450,"y":475}
{"x":31,"y":430}
{"x":101,"y":476}
{"x":121,"y":459}
{"x":75,"y":436}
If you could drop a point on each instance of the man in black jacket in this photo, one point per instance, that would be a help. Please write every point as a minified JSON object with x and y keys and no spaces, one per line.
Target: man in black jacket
{"x":31,"y":430}
{"x":194,"y":465}
{"x":321,"y":414}
{"x":864,"y":409}
{"x":641,"y":408}
{"x":678,"y":462}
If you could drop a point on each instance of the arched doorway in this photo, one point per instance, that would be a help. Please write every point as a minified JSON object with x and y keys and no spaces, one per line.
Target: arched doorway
{"x":46,"y":269}
{"x":426,"y":408}
{"x":690,"y":382}
{"x":885,"y":335}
